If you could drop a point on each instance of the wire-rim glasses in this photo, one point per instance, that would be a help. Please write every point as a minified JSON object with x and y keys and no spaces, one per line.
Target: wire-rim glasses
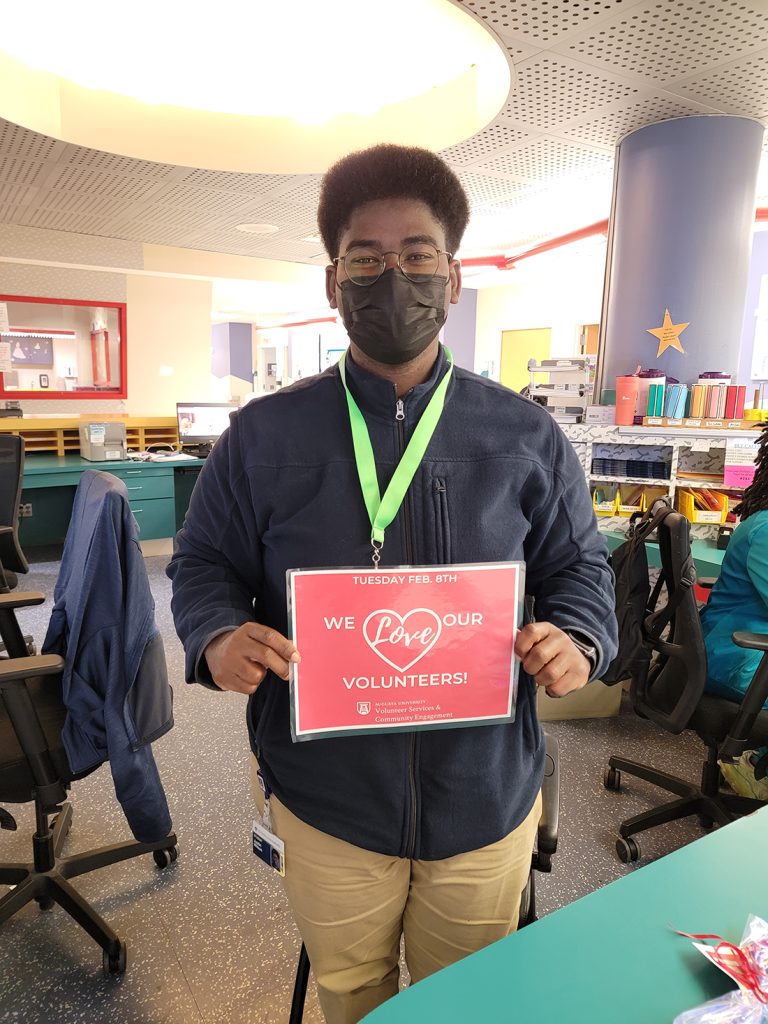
{"x":418,"y":262}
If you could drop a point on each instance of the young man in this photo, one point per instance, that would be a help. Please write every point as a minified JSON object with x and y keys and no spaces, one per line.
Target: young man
{"x":421,"y":834}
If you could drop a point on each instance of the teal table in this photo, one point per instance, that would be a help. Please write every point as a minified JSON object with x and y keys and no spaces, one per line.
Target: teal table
{"x":611,"y":957}
{"x":706,"y":556}
{"x":158,"y":493}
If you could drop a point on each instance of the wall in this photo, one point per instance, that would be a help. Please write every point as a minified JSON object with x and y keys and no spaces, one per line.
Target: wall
{"x":758,"y":267}
{"x":460,"y":327}
{"x":561,"y":290}
{"x":169,"y":348}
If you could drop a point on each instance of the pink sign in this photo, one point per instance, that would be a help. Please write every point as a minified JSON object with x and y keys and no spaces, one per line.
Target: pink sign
{"x":738,"y":476}
{"x":408,"y":648}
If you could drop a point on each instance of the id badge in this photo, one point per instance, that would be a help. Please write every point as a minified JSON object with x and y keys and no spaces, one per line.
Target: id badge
{"x":268,"y":847}
{"x":404,"y":648}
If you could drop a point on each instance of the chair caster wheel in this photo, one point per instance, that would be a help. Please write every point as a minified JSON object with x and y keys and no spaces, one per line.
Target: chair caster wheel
{"x":45,"y":902}
{"x":165,"y":857}
{"x":628,"y":849}
{"x":612,"y":779}
{"x":115,"y":963}
{"x":706,"y":823}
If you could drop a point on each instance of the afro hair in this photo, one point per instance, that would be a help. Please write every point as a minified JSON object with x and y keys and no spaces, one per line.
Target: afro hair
{"x":390,"y":172}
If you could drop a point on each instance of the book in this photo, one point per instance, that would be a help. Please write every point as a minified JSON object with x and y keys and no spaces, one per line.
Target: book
{"x":722,"y":390}
{"x":730,"y":401}
{"x":741,"y":394}
{"x":697,"y":400}
{"x":651,"y":404}
{"x":659,"y":399}
{"x":710,"y":402}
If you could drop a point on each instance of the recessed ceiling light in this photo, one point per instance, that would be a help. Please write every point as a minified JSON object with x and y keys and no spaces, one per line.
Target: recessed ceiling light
{"x":314,"y":239}
{"x":147,"y":99}
{"x":258,"y":229}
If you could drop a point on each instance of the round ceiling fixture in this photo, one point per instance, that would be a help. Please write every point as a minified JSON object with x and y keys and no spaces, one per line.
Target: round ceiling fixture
{"x":258,"y":229}
{"x":269,"y":88}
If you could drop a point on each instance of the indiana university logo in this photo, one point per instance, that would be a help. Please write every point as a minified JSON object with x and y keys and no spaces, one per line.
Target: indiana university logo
{"x":363,"y":707}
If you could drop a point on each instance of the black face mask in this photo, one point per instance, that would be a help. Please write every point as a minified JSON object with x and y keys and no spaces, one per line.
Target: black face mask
{"x":393,"y":320}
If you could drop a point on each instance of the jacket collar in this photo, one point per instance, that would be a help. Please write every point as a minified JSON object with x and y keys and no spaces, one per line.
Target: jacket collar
{"x":378,"y":396}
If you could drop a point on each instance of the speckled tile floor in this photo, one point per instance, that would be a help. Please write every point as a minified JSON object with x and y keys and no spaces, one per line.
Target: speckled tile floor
{"x":211,"y":938}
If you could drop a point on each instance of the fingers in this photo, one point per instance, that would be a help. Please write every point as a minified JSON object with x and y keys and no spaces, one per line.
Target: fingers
{"x":552,"y":660}
{"x":239,"y":660}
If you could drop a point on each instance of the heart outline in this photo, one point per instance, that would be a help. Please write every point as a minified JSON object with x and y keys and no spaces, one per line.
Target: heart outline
{"x":402,"y":620}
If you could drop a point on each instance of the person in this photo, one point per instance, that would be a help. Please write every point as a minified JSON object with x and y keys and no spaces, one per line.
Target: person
{"x":739,"y":601}
{"x":426,"y":835}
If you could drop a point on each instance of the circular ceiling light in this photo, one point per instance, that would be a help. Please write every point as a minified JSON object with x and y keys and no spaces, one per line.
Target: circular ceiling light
{"x":258,"y":229}
{"x":278,"y":88}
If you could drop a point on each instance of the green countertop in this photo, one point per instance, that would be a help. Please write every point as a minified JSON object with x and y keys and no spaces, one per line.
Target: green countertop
{"x":611,"y":957}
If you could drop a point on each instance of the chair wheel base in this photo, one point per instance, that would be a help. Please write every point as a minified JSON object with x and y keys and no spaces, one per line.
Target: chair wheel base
{"x":163,"y":858}
{"x":627,"y":849}
{"x":115,"y":963}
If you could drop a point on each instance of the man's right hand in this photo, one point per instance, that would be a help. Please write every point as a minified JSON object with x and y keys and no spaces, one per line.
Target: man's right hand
{"x":240,"y":659}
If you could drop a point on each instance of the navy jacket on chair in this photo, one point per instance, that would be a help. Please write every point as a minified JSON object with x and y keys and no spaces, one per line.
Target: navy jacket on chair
{"x":115,"y":681}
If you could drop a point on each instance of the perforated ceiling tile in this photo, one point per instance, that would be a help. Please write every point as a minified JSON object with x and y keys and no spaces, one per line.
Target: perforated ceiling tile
{"x":608,"y":129}
{"x":115,"y":164}
{"x":552,"y":90}
{"x":18,"y":171}
{"x":666,"y":40}
{"x":74,"y":178}
{"x":227,"y":181}
{"x":548,"y":160}
{"x":484,"y":190}
{"x":498,"y":136}
{"x":741,"y":87}
{"x":20,"y":142}
{"x":541,"y":22}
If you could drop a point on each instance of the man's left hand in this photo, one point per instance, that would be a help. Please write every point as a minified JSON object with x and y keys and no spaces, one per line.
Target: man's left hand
{"x":551,"y":658}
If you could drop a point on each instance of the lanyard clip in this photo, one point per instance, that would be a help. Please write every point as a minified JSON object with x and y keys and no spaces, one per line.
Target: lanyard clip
{"x":376,"y":552}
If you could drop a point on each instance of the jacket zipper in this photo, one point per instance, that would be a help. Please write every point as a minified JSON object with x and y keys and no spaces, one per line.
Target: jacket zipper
{"x":411,"y":841}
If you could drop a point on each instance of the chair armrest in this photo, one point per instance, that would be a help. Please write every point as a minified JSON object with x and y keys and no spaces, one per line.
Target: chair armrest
{"x":737,"y":740}
{"x":546,"y":843}
{"x":12,"y":669}
{"x":752,"y":641}
{"x":18,"y":599}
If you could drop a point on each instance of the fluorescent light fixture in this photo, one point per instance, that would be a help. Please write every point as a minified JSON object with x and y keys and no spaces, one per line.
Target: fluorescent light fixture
{"x":289,"y":86}
{"x":258,"y":229}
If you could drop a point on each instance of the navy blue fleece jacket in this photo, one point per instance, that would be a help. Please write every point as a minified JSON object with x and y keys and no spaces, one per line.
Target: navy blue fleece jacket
{"x":499,"y":482}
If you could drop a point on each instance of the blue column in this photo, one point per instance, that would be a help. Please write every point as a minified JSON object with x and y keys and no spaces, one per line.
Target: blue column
{"x":681,"y":236}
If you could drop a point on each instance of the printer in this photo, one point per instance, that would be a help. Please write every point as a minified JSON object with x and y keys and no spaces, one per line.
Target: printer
{"x":103,"y":441}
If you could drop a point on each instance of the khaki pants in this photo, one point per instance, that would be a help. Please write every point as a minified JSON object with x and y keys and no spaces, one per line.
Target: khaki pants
{"x":351,"y":907}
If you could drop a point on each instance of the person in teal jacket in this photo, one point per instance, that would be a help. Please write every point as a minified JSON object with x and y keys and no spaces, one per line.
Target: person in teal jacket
{"x":739,"y":601}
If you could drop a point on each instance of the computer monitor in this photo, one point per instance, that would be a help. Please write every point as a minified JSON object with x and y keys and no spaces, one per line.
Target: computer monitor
{"x":202,"y":423}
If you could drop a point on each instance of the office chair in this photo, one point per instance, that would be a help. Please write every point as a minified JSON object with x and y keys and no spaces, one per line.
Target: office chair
{"x":11,"y":473}
{"x":541,"y":860}
{"x":34,"y":767}
{"x":670,"y":692}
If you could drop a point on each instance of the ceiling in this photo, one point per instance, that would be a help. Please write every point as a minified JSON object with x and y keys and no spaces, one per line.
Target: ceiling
{"x":587,"y":72}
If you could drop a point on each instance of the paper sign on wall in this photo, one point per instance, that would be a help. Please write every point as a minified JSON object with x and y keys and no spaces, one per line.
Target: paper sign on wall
{"x":6,"y":365}
{"x":5,"y":324}
{"x":406,"y":648}
{"x":739,"y":470}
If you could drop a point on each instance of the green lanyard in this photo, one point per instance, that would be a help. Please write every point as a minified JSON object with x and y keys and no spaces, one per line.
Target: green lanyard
{"x":381,"y":511}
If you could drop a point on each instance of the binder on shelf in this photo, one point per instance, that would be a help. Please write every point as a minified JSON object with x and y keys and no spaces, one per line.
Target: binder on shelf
{"x":741,"y":394}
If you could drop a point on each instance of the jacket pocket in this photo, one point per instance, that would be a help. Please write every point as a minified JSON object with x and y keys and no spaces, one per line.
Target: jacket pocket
{"x":442,"y":522}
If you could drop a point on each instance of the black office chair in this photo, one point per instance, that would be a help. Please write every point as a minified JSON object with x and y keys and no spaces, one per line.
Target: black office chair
{"x":670,"y":692}
{"x":34,"y":767}
{"x":11,"y":473}
{"x":544,"y":850}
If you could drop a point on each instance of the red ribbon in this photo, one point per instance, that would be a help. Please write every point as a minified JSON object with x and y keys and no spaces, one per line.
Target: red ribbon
{"x":735,"y":962}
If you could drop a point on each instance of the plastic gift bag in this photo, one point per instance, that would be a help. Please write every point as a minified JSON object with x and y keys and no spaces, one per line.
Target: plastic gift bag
{"x":747,"y":964}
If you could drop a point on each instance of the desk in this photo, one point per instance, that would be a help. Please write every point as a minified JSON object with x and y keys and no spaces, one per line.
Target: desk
{"x":707,"y":558}
{"x":158,"y":493}
{"x":610,"y":958}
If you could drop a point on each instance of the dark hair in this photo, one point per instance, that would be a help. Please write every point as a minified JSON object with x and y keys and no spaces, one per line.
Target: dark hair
{"x":755,"y":498}
{"x":391,"y":172}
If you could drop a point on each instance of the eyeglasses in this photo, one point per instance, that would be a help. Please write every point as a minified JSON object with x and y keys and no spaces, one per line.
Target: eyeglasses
{"x":418,"y":261}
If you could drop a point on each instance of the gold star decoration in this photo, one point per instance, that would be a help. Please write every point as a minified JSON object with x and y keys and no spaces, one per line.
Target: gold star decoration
{"x":668,"y":334}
